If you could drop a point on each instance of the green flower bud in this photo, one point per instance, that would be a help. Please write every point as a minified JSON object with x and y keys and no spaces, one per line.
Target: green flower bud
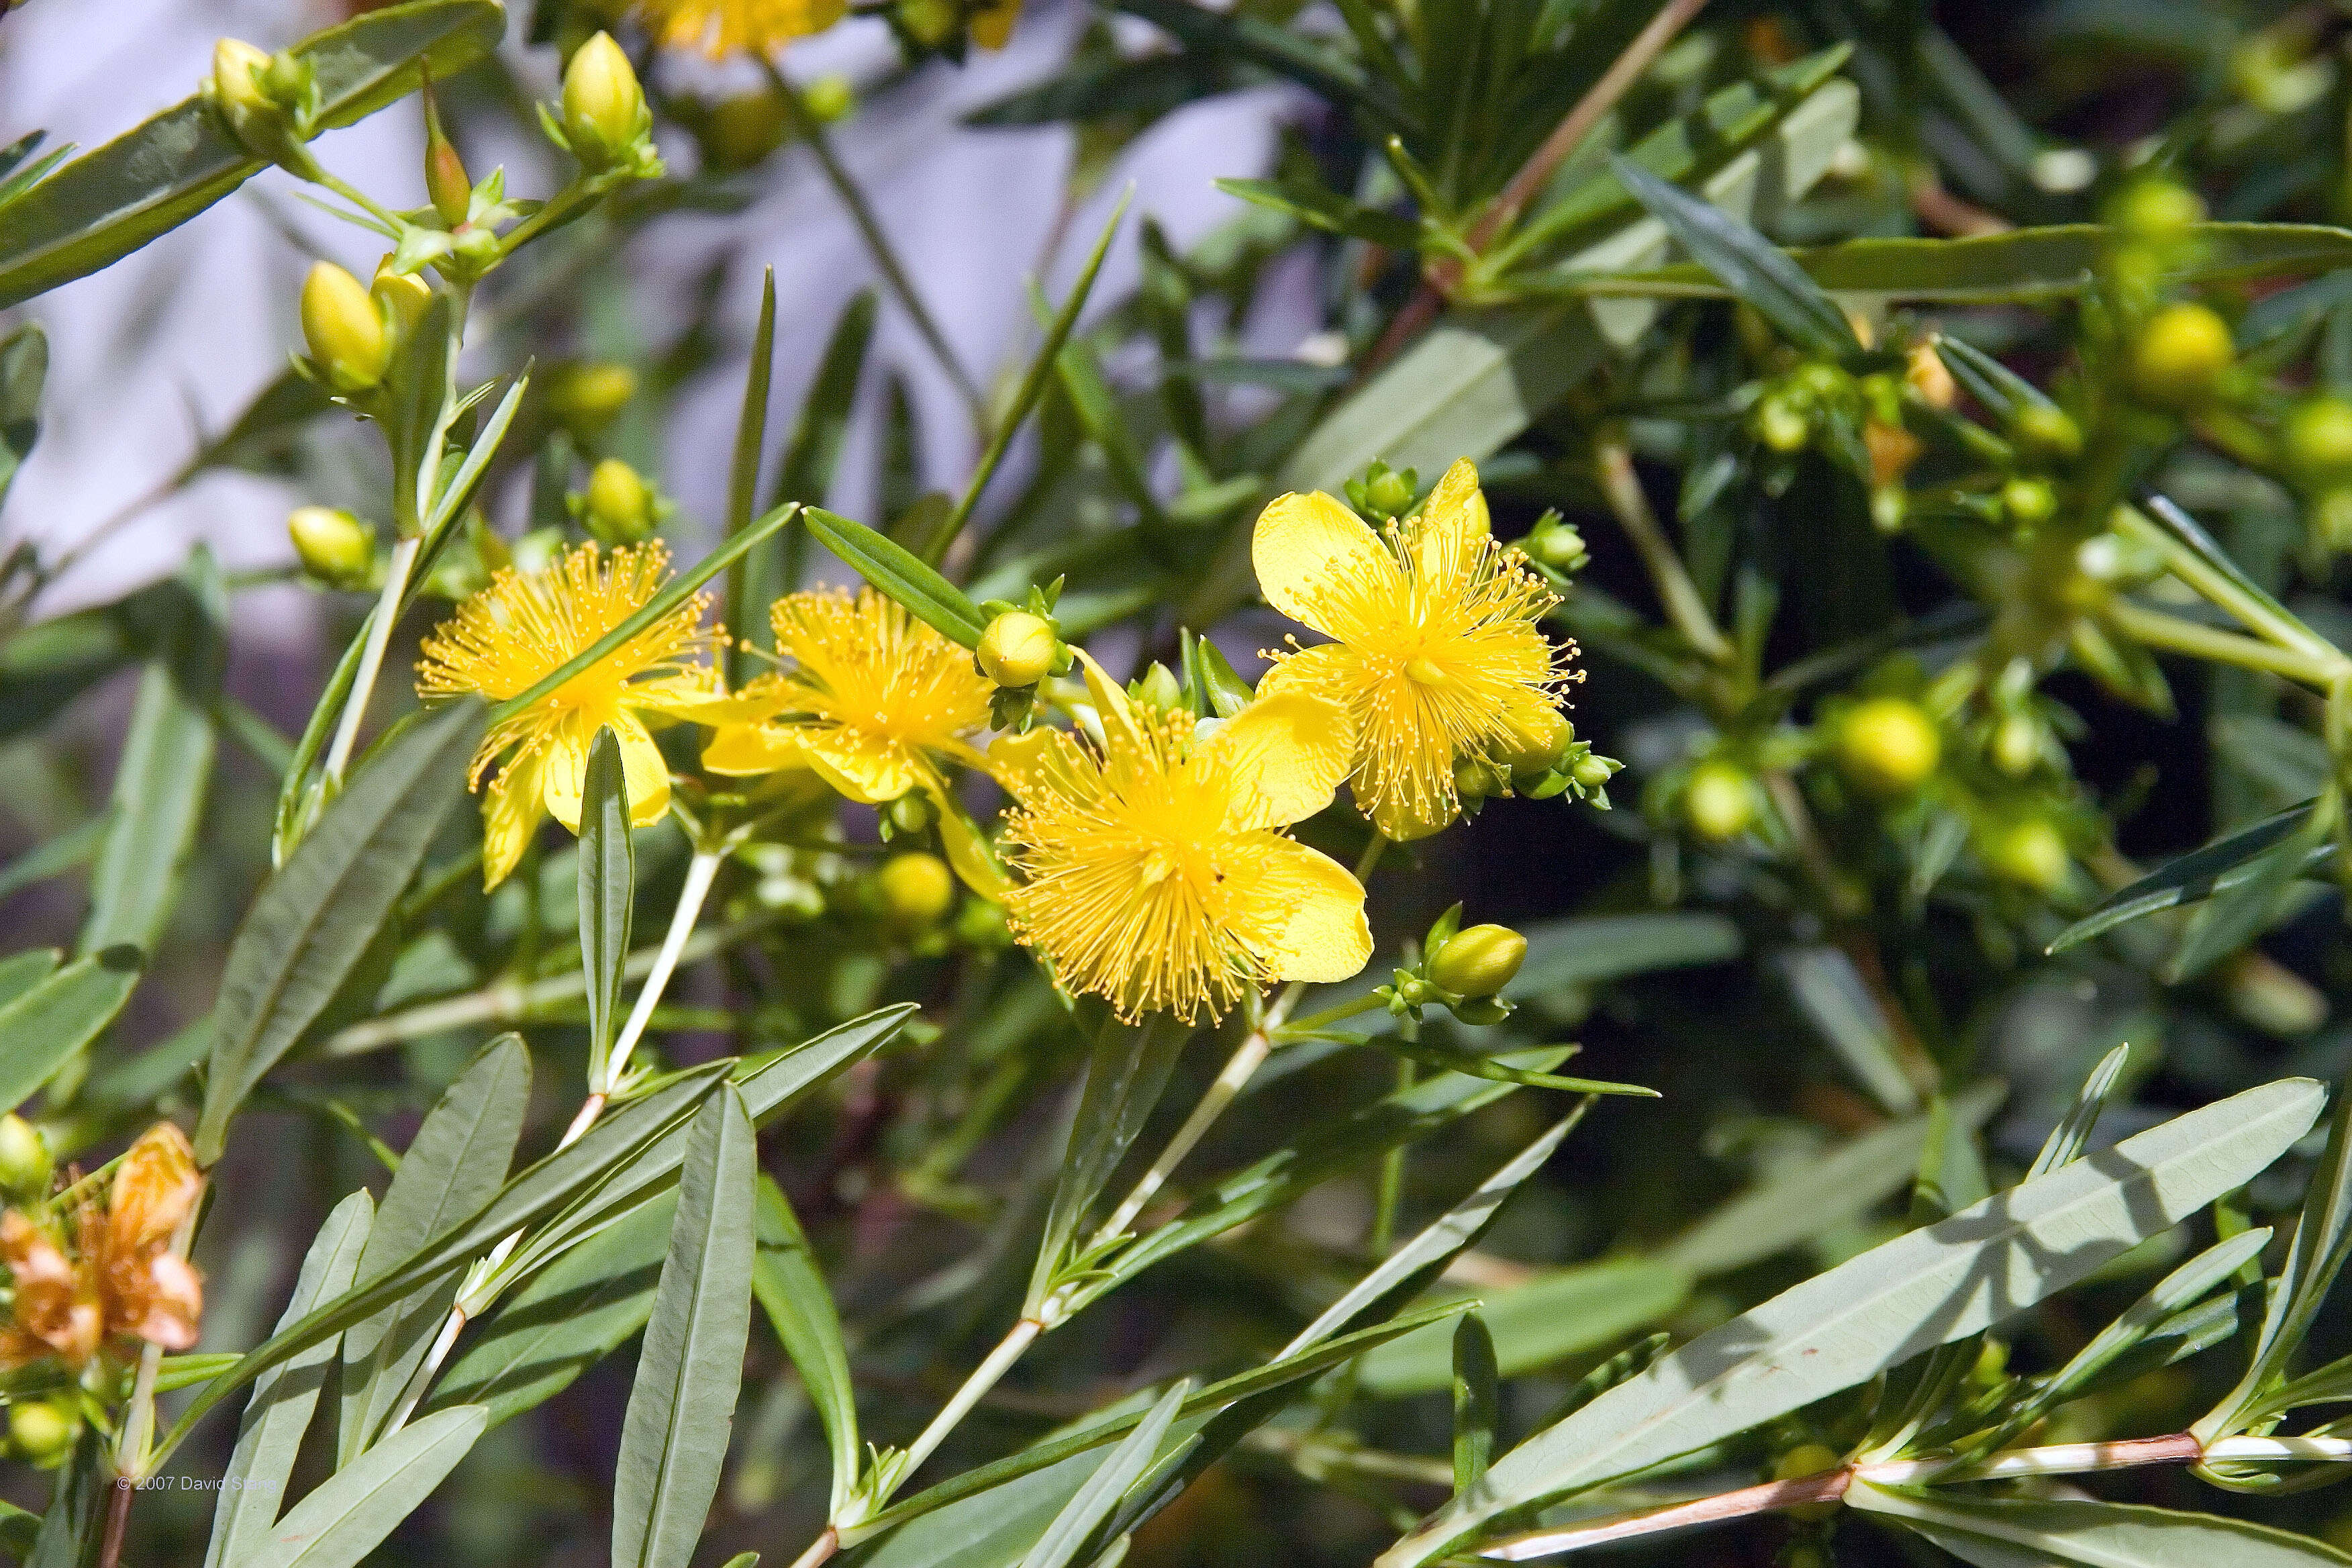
{"x":619,"y":508}
{"x":2331,"y":518}
{"x":2319,"y":440}
{"x":2156,"y":211}
{"x":1888,"y":746}
{"x":910,"y":813}
{"x":1478,"y":962}
{"x":334,"y":547}
{"x":1890,"y":505}
{"x":1018,"y":649}
{"x":1159,"y":689}
{"x":234,"y":87}
{"x":2030,"y":502}
{"x":2029,"y":853}
{"x":24,"y":1163}
{"x":2047,"y":430}
{"x":604,"y":112}
{"x":916,"y":889}
{"x":584,"y":398}
{"x":1593,"y":772}
{"x":1534,"y":750}
{"x":1925,"y":372}
{"x":1557,"y":544}
{"x":41,"y":1433}
{"x":1475,"y":780}
{"x":2016,"y":745}
{"x":1719,"y":802}
{"x":2181,"y":355}
{"x":344,"y":329}
{"x":745,"y":128}
{"x":929,"y":23}
{"x":1780,"y":423}
{"x":832,"y":98}
{"x":1388,"y":493}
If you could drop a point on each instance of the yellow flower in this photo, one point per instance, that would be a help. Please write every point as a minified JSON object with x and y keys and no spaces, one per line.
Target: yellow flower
{"x":872,"y":699}
{"x":124,"y":1280}
{"x":1439,"y":655}
{"x":1154,"y":872}
{"x":991,"y":22}
{"x":724,"y":27}
{"x":505,"y":640}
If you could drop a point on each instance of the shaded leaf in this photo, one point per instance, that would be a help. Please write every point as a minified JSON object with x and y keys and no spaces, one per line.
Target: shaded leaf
{"x":2012,"y":1533}
{"x":2225,"y":863}
{"x":353,"y":1509}
{"x":792,"y":1291}
{"x":43,"y":1029}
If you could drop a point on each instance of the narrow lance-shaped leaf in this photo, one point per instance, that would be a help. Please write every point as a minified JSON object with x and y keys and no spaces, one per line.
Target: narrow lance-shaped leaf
{"x":2221,"y":865}
{"x":2073,"y":1135}
{"x":1075,"y":1525}
{"x":43,"y":1029}
{"x":751,"y":583}
{"x":900,"y":573}
{"x":792,"y":1293}
{"x":608,"y":893}
{"x":1125,"y":1077}
{"x":285,"y":1397}
{"x":813,"y":452}
{"x":455,"y":1165}
{"x":2017,"y":1532}
{"x":353,"y":1509}
{"x":1477,"y":1402}
{"x":682,"y":1406}
{"x":319,"y":913}
{"x":1924,"y":1289}
{"x":24,"y":369}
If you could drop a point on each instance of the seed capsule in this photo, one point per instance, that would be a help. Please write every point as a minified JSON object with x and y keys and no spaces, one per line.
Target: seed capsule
{"x":1479,"y":961}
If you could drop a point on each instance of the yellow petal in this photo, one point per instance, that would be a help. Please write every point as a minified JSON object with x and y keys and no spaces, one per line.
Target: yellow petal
{"x":970,"y":854}
{"x":860,"y":766}
{"x":644,"y":773}
{"x":1300,"y":910}
{"x":1281,"y":757}
{"x":704,"y":701}
{"x":1038,"y":763}
{"x":1314,"y":557}
{"x":1453,"y":529}
{"x":511,"y":811}
{"x":742,"y":751}
{"x":1122,"y":726}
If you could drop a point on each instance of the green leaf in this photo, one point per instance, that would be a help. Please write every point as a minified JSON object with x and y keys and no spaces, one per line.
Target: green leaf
{"x":2013,"y":1532}
{"x":1125,"y":1075}
{"x":55,"y":856}
{"x":23,"y":370}
{"x":1329,"y":211}
{"x":1025,"y":401}
{"x":2067,"y":1140}
{"x":156,"y":176}
{"x":20,"y":971}
{"x":814,"y":449}
{"x":1802,"y":1201}
{"x":570,"y":1316}
{"x":458,"y":493}
{"x":353,"y":1509}
{"x":2175,"y":1293}
{"x":2238,"y":913}
{"x":792,"y":1291}
{"x":1755,"y":269}
{"x":1590,"y":949}
{"x":68,"y":1536}
{"x":608,"y":893}
{"x":454,"y":1166}
{"x":1075,"y":1526}
{"x":1928,"y":1287}
{"x":2226,"y":863}
{"x":159,"y":785}
{"x":315,"y":917}
{"x":1829,"y":990}
{"x":1558,"y":1313}
{"x":1287,"y":52}
{"x":284,"y":1398}
{"x":750,"y":590}
{"x":927,"y":595}
{"x":682,"y":1405}
{"x":1477,"y":1403}
{"x":43,"y":1029}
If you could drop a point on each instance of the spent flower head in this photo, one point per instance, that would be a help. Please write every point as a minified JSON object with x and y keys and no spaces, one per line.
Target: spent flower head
{"x":119,"y":1278}
{"x":520,"y":630}
{"x":1154,"y":872}
{"x":1439,"y":653}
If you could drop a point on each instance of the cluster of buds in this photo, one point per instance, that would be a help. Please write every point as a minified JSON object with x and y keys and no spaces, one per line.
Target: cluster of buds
{"x":1021,"y":646}
{"x":354,"y":330}
{"x":1540,"y":760}
{"x":604,"y":122}
{"x":1462,"y":969}
{"x":1556,"y":550}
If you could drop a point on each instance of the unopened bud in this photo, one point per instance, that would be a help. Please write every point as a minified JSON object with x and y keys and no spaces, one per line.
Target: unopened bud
{"x":1891,"y":449}
{"x":1536,"y":746}
{"x":1556,"y":543}
{"x":916,"y":889}
{"x":586,"y":397}
{"x":1388,"y":493}
{"x":2016,"y":745}
{"x":1018,"y":649}
{"x":445,"y":180}
{"x":1159,"y":689}
{"x":333,"y":546}
{"x":402,"y":296}
{"x":619,"y":505}
{"x":41,"y":1433}
{"x":236,"y":82}
{"x":1476,"y":780}
{"x":929,"y":23}
{"x":1719,"y":802}
{"x":2047,"y":430}
{"x":1807,"y":1459}
{"x":910,"y":813}
{"x":1781,"y":425}
{"x":831,"y":98}
{"x":343,"y":329}
{"x":1888,"y":745}
{"x":1478,"y":962}
{"x":745,"y":128}
{"x":604,"y":111}
{"x":2030,"y":502}
{"x":2319,"y":440}
{"x":24,"y":1163}
{"x":1593,"y":772}
{"x":2031,"y":853}
{"x":2181,"y":355}
{"x":2157,"y":211}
